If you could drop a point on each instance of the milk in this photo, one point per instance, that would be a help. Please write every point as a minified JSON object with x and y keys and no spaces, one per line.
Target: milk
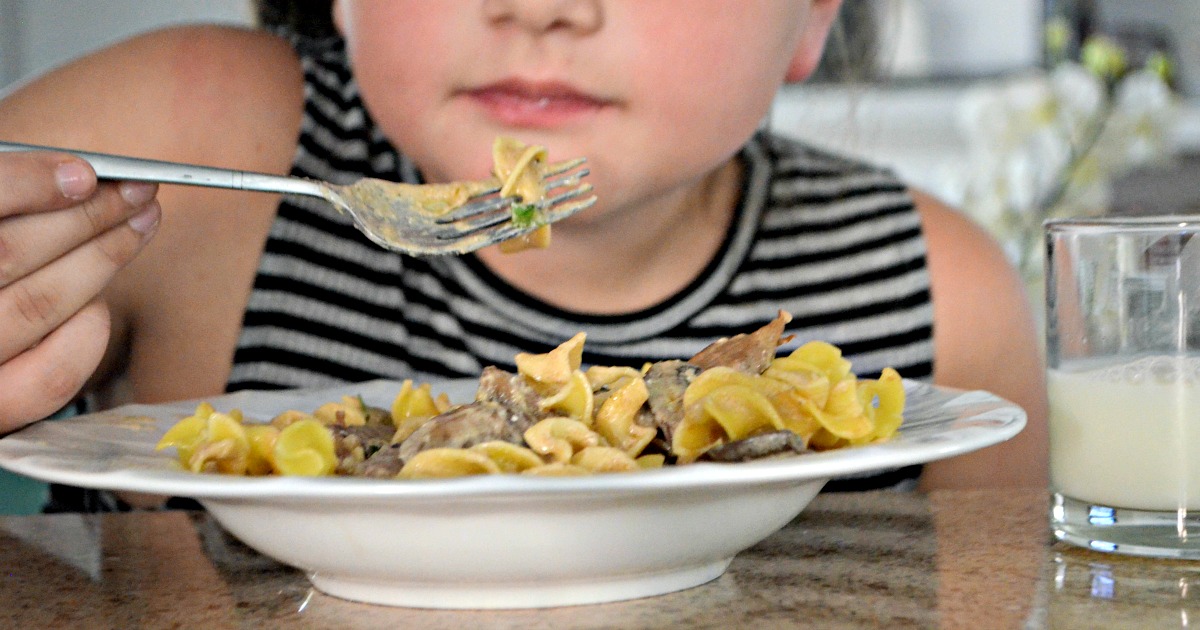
{"x":1128,"y":436}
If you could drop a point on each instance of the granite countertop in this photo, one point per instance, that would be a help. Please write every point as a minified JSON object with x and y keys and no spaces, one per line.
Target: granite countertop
{"x":948,"y":559}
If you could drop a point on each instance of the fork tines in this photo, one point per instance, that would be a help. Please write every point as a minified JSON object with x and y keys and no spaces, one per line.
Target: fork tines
{"x":484,"y":203}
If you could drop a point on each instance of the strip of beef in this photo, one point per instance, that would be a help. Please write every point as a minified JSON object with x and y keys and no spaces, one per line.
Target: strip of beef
{"x":383,"y":464}
{"x":509,"y":390}
{"x":665,"y":383}
{"x":505,"y":406}
{"x":462,"y":426}
{"x":465,"y":426}
{"x":758,"y":446}
{"x":749,"y":352}
{"x":354,"y":444}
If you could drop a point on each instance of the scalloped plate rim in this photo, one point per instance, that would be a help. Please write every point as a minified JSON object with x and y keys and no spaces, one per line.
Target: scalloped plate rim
{"x":981,"y":420}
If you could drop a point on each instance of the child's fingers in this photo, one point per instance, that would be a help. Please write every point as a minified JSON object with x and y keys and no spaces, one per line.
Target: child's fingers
{"x":30,"y":241}
{"x":37,"y":303}
{"x":39,"y":181}
{"x":42,"y":379}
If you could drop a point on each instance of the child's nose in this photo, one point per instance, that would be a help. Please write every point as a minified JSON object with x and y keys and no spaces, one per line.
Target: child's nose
{"x":541,"y":16}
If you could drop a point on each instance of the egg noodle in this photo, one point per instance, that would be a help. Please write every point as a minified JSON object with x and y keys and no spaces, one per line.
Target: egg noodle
{"x":521,"y":169}
{"x":556,"y":418}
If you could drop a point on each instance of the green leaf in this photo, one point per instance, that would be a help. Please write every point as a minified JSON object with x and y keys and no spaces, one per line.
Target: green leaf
{"x":526,"y":215}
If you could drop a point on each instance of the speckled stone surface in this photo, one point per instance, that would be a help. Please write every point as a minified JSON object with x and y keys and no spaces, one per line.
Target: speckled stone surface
{"x":897,"y":560}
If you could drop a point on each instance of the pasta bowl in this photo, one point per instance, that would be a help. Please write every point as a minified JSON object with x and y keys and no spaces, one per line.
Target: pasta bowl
{"x":500,"y":541}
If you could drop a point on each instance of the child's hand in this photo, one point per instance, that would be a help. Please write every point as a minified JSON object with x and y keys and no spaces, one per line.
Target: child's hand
{"x":62,"y":238}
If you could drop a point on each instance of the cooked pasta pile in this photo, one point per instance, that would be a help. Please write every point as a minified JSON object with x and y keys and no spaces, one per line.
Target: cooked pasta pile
{"x":734,"y":401}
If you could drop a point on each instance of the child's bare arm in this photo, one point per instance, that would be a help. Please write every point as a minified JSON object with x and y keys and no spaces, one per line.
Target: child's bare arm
{"x":984,"y":338}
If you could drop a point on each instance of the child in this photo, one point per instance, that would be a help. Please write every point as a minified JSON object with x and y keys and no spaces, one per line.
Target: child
{"x":704,"y":227}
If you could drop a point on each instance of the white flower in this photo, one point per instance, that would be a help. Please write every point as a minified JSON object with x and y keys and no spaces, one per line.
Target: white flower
{"x":1049,"y":144}
{"x":1144,"y":113}
{"x":1078,"y":97}
{"x":1144,"y":92}
{"x":1078,"y":90}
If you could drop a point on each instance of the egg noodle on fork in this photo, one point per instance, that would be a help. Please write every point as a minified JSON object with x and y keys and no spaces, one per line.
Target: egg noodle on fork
{"x":521,"y":169}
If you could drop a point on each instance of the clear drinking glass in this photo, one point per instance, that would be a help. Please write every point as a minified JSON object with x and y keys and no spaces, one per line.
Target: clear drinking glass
{"x":1123,"y":359}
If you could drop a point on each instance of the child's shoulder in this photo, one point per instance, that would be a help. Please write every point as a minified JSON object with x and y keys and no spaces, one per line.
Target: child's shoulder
{"x":166,"y":60}
{"x":211,"y":78}
{"x":209,"y":38}
{"x":233,"y":53}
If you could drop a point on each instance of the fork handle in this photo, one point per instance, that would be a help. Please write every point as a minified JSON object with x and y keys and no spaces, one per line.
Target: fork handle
{"x":119,"y":167}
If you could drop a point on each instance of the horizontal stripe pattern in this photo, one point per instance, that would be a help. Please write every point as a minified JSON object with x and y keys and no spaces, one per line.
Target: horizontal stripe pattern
{"x":836,"y":243}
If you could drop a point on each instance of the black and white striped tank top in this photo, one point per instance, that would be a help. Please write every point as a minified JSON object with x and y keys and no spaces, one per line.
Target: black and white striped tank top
{"x":836,"y":243}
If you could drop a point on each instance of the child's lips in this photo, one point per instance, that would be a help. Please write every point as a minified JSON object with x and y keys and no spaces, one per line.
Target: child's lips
{"x":534,"y":105}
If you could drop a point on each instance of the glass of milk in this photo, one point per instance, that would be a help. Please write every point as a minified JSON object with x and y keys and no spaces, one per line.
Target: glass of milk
{"x":1123,"y":359}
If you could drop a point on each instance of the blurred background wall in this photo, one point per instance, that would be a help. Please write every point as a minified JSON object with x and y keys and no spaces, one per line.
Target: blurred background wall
{"x":897,"y":73}
{"x":36,"y":35}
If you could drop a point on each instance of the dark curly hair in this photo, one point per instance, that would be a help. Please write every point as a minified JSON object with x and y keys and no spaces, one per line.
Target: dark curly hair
{"x":309,"y":19}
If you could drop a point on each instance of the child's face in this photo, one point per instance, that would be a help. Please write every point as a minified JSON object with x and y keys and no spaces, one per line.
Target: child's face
{"x":655,"y":93}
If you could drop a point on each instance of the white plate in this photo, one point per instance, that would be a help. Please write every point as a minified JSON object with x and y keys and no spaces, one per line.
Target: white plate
{"x":496,"y":541}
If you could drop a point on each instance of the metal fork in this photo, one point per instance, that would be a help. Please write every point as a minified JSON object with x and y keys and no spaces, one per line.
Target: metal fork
{"x":411,"y":218}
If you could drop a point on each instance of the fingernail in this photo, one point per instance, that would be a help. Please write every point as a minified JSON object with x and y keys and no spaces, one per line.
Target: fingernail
{"x":147,"y":220}
{"x":137,"y":193}
{"x":75,"y":179}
